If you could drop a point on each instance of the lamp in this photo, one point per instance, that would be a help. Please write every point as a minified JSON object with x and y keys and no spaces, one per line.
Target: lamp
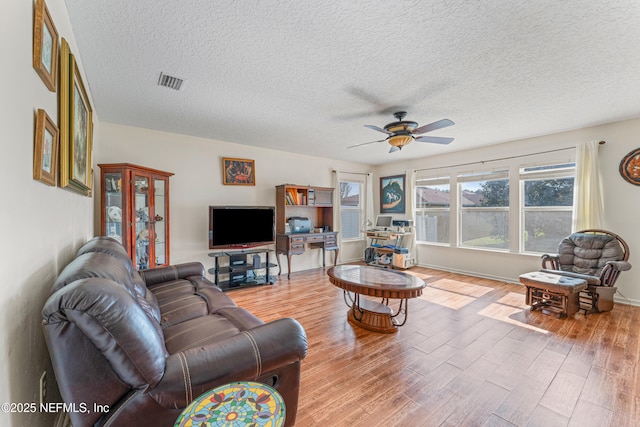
{"x":401,"y":131}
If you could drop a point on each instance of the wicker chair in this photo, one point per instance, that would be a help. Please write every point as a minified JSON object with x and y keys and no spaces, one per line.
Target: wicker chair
{"x":596,"y":256}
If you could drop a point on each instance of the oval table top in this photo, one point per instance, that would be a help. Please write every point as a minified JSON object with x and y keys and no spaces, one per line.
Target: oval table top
{"x":376,"y":282}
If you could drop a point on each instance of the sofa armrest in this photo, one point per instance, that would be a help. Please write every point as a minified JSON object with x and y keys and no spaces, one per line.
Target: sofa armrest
{"x":157,"y":275}
{"x":243,"y":357}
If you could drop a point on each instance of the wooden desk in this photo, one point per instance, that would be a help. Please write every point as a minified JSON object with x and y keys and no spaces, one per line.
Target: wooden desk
{"x":294,"y":244}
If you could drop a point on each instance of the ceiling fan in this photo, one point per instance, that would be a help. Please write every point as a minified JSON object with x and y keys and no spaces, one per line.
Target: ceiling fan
{"x":402,"y":132}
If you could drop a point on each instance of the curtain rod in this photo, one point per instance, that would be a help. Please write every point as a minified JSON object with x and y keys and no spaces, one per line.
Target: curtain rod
{"x":354,"y":173}
{"x":502,"y":158}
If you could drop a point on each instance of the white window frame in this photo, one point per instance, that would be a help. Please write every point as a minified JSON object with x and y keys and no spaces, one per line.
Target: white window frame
{"x":494,"y":175}
{"x":424,"y":182}
{"x":360,"y":208}
{"x":556,"y":170}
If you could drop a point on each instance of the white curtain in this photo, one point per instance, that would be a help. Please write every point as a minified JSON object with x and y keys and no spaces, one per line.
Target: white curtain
{"x":588,"y":205}
{"x":337,"y":217}
{"x":368,"y":208}
{"x":411,"y":208}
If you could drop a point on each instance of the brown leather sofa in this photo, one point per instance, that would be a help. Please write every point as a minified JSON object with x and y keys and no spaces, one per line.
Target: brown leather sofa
{"x":145,"y":344}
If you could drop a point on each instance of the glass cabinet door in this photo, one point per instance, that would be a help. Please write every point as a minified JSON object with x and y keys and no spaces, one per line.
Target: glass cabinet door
{"x":160,"y":220}
{"x":114,"y":225}
{"x":142,"y":230}
{"x":134,"y":210}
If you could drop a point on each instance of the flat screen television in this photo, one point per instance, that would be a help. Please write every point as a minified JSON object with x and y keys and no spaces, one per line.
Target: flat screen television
{"x":237,"y":227}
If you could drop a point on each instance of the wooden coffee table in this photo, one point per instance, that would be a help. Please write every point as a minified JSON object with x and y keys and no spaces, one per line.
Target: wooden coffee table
{"x":358,"y":280}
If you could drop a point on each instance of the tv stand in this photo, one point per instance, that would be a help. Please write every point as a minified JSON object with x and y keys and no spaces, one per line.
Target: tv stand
{"x":246,"y":268}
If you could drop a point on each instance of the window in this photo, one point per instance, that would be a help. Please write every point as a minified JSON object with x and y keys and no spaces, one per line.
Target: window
{"x":484,"y":210}
{"x":433,"y":205}
{"x":547,"y":206}
{"x":351,"y":207}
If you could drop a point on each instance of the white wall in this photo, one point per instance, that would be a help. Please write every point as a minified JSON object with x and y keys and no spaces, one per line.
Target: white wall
{"x":622,"y":202}
{"x":41,"y":226}
{"x":197,"y":182}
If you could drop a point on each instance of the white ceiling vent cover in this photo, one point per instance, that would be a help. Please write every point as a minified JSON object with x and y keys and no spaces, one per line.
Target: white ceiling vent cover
{"x":171,"y":82}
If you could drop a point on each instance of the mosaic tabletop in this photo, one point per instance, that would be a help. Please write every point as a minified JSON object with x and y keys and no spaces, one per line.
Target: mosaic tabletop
{"x":239,"y":404}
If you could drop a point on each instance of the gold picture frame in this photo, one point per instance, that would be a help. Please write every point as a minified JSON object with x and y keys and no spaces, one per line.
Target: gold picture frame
{"x":238,"y":171}
{"x":76,"y":126}
{"x":45,"y":46}
{"x":45,"y":149}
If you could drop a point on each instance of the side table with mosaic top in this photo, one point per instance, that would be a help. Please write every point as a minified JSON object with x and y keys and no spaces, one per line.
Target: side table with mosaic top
{"x":239,"y":404}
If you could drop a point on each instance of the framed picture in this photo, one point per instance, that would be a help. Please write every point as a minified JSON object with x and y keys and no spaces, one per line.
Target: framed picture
{"x":238,"y":171}
{"x":45,"y":149}
{"x":45,"y":46}
{"x":76,"y":126}
{"x":630,"y":167}
{"x":392,"y":194}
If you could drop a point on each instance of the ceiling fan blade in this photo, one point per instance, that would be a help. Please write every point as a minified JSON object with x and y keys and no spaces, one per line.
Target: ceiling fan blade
{"x":379,"y":129}
{"x":434,"y":139}
{"x":393,"y":149}
{"x":365,"y":143}
{"x":433,"y":126}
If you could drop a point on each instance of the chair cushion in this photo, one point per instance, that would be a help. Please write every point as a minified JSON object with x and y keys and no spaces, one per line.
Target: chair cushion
{"x":587,"y":253}
{"x":553,"y":282}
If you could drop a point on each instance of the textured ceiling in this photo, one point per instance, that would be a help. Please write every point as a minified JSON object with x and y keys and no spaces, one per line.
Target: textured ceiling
{"x":305,"y":76}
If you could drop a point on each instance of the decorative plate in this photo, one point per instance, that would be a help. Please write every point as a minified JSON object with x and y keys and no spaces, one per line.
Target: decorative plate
{"x":238,"y":404}
{"x":630,"y":167}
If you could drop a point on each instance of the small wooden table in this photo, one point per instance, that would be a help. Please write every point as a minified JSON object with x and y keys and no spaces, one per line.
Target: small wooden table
{"x":375,"y":282}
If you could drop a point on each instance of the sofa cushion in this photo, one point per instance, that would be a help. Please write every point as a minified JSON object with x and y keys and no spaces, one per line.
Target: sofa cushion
{"x":198,"y":332}
{"x":97,"y":306}
{"x":172,"y":289}
{"x":181,"y":308}
{"x":95,"y":264}
{"x":109,"y":246}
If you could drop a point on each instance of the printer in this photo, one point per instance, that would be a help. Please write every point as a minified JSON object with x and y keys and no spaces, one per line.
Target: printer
{"x":298,"y":224}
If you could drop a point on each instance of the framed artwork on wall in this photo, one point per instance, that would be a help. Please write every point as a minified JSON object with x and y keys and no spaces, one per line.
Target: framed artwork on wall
{"x":45,"y":149}
{"x":76,"y":126}
{"x":630,"y":167}
{"x":45,"y":46}
{"x":392,"y":194}
{"x":238,"y":171}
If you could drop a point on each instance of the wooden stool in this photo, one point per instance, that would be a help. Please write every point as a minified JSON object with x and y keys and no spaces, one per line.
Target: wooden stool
{"x":553,"y":292}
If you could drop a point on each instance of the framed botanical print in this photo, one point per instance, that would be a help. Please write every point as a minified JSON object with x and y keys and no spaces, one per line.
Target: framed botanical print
{"x":238,"y":171}
{"x":45,"y":149}
{"x":76,"y":126}
{"x":392,"y":194}
{"x":45,"y":46}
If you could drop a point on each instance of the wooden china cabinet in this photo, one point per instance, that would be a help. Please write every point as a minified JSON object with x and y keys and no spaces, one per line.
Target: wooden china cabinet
{"x":134,"y":209}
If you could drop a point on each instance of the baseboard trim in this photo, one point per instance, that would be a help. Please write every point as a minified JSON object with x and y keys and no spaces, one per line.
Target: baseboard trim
{"x":472,"y":273}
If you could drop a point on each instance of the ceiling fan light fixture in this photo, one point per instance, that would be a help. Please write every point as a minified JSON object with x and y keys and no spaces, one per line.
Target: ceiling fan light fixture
{"x":402,"y":132}
{"x":400,"y":140}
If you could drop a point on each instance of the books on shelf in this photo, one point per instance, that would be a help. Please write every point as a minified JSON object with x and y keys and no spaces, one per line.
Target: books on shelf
{"x":296,"y":197}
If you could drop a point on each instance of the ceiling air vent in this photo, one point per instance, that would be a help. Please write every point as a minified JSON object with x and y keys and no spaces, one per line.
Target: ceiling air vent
{"x":171,"y":82}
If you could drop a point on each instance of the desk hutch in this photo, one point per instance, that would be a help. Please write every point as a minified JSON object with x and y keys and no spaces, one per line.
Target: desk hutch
{"x":315,"y":203}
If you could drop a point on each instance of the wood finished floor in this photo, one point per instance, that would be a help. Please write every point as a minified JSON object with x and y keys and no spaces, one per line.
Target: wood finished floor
{"x":471,"y":354}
